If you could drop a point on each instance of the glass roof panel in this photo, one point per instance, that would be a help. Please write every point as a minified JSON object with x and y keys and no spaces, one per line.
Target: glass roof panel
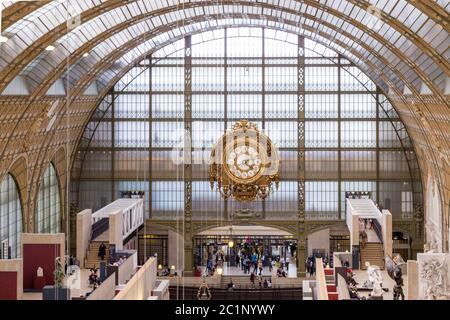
{"x":50,"y":15}
{"x":163,"y":52}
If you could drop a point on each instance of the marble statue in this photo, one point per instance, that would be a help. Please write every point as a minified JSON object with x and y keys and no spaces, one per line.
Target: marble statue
{"x":434,"y":273}
{"x":432,"y":245}
{"x":375,"y":280}
{"x":40,"y":272}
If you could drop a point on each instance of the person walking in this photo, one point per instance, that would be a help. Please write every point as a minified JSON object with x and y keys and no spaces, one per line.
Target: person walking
{"x":102,"y":251}
{"x":363,"y":239}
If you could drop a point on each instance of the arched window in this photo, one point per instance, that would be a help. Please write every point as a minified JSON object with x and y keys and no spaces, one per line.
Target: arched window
{"x":335,"y":129}
{"x":48,"y":212}
{"x":10,"y":215}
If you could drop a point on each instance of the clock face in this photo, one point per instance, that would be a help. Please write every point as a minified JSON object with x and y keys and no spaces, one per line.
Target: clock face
{"x":243,"y":162}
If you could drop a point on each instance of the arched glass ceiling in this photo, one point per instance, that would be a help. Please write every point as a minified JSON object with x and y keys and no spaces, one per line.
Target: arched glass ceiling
{"x":121,"y":64}
{"x":99,"y":52}
{"x":403,"y":17}
{"x":139,"y":52}
{"x":53,"y":55}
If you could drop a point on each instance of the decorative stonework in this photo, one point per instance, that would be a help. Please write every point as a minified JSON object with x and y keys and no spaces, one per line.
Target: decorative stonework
{"x":434,"y":276}
{"x":245,"y":214}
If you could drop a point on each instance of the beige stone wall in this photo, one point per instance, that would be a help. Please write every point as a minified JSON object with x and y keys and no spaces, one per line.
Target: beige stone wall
{"x":15,"y":265}
{"x":412,"y":282}
{"x":84,"y":232}
{"x":319,"y":240}
{"x":47,"y":238}
{"x":106,"y":290}
{"x":176,"y":250}
{"x":127,"y":269}
{"x":386,"y":229}
{"x":115,"y":230}
{"x":141,"y":284}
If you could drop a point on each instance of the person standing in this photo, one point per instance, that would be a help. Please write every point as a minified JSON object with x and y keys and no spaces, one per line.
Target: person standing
{"x":260,"y":267}
{"x":102,"y":251}
{"x":363,"y":239}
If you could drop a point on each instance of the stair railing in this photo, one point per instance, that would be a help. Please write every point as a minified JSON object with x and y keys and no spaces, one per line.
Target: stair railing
{"x":377,"y":229}
{"x":99,"y":227}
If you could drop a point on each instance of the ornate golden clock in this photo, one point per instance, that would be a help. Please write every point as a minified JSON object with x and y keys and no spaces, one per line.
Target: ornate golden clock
{"x":244,"y":163}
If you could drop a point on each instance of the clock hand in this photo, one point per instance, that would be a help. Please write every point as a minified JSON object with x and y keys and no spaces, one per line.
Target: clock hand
{"x":242,"y":161}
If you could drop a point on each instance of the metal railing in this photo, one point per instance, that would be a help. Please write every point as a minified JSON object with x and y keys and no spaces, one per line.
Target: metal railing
{"x":190,"y":293}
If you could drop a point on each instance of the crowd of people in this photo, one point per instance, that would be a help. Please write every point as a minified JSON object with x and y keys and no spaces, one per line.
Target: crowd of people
{"x":215,"y":260}
{"x":251,"y":259}
{"x":266,"y":284}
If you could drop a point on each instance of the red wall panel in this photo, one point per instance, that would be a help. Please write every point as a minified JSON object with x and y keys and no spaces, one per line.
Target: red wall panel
{"x":8,"y":285}
{"x":35,"y":256}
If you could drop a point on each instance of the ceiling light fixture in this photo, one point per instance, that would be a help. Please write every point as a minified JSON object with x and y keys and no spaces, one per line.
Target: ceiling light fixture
{"x":50,"y":48}
{"x":86,"y":54}
{"x":3,"y":39}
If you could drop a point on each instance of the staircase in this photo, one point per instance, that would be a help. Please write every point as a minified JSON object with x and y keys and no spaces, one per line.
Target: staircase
{"x":372,"y":253}
{"x":243,"y":281}
{"x":92,"y":259}
{"x":331,"y":285}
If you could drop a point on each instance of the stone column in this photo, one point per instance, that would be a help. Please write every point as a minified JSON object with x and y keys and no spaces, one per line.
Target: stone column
{"x":301,"y":250}
{"x":187,"y":225}
{"x":412,"y":282}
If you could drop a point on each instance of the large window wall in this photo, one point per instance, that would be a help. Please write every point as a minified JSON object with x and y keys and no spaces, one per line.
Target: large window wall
{"x":48,"y":210}
{"x":10,"y":216}
{"x":353,"y":138}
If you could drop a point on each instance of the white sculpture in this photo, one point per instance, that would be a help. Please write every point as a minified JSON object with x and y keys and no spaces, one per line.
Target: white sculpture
{"x":40,"y":272}
{"x":434,"y":272}
{"x":375,"y":280}
{"x":432,"y":244}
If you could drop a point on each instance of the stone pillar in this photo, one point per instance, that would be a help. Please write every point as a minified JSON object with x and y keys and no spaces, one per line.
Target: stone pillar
{"x":115,"y":230}
{"x":412,"y":282}
{"x":386,"y":228}
{"x":187,"y":226}
{"x":301,"y":251}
